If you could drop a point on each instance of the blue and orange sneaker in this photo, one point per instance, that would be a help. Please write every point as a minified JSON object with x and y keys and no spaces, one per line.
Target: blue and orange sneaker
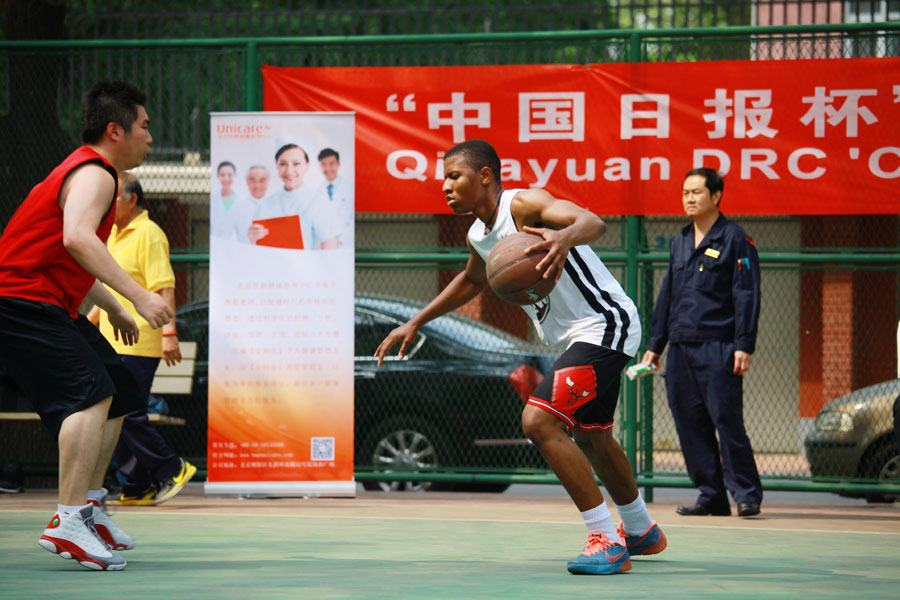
{"x":652,"y":541}
{"x":600,"y":557}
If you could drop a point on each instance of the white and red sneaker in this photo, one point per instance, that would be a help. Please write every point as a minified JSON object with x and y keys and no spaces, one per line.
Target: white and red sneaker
{"x":111,"y":533}
{"x":73,"y":536}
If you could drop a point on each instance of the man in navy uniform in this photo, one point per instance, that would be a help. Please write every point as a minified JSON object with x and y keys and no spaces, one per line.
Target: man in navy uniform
{"x":708,"y":310}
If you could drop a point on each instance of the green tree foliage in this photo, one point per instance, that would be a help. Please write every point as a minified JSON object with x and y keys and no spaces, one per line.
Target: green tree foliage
{"x":89,"y":19}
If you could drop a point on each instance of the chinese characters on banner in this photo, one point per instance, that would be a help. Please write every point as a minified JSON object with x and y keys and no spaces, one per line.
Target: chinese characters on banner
{"x":792,"y":137}
{"x":280,"y":317}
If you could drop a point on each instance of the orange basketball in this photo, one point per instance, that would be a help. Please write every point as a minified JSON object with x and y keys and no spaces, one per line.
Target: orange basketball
{"x":511,"y":273}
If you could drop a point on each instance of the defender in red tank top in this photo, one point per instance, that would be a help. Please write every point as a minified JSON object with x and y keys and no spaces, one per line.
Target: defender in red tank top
{"x":52,"y":256}
{"x":34,"y":264}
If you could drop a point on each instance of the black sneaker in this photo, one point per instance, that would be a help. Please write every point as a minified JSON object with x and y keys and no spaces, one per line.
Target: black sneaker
{"x":12,"y":479}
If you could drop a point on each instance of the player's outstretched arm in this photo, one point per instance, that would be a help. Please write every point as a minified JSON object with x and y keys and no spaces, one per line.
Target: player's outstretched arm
{"x":405,"y":335}
{"x":461,"y":289}
{"x":84,"y":199}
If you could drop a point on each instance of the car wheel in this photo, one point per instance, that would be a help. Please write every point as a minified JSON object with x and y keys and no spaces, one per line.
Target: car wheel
{"x":884,"y":464}
{"x":404,"y":444}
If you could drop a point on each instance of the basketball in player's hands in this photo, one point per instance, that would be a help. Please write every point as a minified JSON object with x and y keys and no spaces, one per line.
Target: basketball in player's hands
{"x":512,"y":273}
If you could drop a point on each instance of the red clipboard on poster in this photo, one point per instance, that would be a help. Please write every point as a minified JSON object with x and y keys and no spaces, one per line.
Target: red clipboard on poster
{"x":284,"y":232}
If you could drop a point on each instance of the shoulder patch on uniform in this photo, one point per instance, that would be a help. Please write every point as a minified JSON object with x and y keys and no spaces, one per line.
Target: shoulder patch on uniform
{"x":750,"y":239}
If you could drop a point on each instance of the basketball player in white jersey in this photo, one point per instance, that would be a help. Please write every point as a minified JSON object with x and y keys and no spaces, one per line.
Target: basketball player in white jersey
{"x":590,"y":315}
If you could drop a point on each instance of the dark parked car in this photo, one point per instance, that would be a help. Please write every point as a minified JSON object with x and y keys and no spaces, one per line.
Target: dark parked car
{"x":454,"y":402}
{"x":854,"y":438}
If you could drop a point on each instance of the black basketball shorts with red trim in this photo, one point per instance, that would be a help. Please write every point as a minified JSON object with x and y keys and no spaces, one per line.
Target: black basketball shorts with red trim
{"x":582,"y":387}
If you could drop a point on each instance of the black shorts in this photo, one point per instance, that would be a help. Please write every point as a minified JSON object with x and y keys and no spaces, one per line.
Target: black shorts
{"x":63,"y":365}
{"x":582,"y":387}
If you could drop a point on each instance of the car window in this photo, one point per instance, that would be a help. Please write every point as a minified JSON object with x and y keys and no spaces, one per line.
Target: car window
{"x":451,"y":335}
{"x":476,"y":335}
{"x":371,"y":328}
{"x":193,"y":326}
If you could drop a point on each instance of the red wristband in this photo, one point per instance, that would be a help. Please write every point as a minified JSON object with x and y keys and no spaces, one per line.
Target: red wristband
{"x":170,"y":334}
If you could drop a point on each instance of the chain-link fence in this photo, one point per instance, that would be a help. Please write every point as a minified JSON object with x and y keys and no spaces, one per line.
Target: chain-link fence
{"x":828,"y":326}
{"x":826,"y":329}
{"x":224,"y":18}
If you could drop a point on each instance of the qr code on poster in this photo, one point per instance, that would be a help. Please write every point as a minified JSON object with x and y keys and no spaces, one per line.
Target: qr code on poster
{"x":322,"y":448}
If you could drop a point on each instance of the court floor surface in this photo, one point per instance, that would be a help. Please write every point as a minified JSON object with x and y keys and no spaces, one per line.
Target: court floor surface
{"x":452,"y":545}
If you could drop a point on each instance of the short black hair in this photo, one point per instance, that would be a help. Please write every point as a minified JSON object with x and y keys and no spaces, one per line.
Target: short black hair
{"x":477,"y":154}
{"x":287,"y":147}
{"x":110,"y":101}
{"x":326,"y":152}
{"x":715,"y":182}
{"x":226,"y":163}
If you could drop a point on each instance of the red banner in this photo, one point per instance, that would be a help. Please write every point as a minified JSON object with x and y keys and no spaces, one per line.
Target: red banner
{"x":792,"y":137}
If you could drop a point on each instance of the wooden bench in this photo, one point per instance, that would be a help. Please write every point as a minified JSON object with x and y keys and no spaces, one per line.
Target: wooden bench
{"x":177,"y":379}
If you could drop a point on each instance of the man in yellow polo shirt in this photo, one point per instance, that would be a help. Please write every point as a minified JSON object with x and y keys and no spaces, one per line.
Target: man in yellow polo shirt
{"x":150,"y":472}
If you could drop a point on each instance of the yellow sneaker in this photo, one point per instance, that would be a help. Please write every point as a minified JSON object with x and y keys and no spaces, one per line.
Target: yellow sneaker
{"x":146,"y":498}
{"x":172,"y":486}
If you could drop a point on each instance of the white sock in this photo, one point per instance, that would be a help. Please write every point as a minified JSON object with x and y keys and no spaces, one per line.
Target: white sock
{"x":599,"y":519}
{"x":65,"y":510}
{"x":635,"y":518}
{"x":96,"y":494}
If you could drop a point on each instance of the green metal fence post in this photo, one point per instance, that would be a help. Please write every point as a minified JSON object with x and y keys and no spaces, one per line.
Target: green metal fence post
{"x":632,"y":246}
{"x":251,"y":78}
{"x":645,"y":385}
{"x":634,"y":47}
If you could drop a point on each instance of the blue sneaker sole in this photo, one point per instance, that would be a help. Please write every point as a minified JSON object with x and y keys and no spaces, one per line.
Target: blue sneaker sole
{"x":606,"y":569}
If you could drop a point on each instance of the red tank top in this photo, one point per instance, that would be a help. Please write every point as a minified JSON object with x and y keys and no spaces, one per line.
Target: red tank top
{"x":34,"y":264}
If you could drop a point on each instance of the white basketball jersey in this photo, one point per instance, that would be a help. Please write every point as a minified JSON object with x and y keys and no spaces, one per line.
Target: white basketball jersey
{"x":587,"y":304}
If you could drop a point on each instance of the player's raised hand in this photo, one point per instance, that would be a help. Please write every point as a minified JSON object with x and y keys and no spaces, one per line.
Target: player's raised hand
{"x":405,"y":334}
